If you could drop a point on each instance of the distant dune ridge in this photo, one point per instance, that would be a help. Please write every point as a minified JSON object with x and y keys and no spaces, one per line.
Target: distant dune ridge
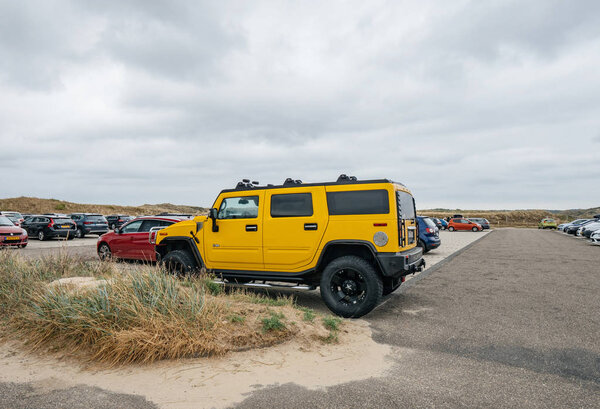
{"x":35,"y":205}
{"x":516,"y":218}
{"x":498,"y":218}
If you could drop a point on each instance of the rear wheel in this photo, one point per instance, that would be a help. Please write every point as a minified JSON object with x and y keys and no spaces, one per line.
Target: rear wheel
{"x":475,"y":229}
{"x":79,"y":234}
{"x":179,"y":262}
{"x":351,"y":287}
{"x":104,"y":252}
{"x":451,"y":228}
{"x":422,"y":244}
{"x":41,"y":235}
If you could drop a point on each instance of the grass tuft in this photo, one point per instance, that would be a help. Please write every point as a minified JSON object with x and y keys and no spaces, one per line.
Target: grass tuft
{"x":273,"y":323}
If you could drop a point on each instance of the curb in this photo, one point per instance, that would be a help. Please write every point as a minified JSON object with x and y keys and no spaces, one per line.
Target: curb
{"x":410,"y":283}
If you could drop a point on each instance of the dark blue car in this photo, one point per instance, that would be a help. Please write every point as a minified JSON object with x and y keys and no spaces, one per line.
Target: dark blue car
{"x":429,"y":237}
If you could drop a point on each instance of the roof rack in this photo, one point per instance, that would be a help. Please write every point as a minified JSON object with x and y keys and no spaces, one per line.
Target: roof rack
{"x":245,"y":184}
{"x":290,"y":181}
{"x":345,"y":178}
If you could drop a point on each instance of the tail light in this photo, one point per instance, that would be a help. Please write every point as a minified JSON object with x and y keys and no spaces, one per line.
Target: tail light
{"x":430,"y":230}
{"x":51,"y":223}
{"x":152,"y":237}
{"x":120,"y":220}
{"x":88,"y":222}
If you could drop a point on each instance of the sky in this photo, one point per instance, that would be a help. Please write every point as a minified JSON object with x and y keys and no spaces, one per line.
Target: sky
{"x":470,"y":104}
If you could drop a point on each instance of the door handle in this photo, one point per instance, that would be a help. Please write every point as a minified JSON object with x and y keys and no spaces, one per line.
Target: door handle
{"x":251,"y":227}
{"x":311,"y":226}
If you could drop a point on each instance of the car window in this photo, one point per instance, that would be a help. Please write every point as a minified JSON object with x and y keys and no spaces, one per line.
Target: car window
{"x":358,"y":202}
{"x":96,"y":218}
{"x":5,"y":221}
{"x":148,"y":224}
{"x":291,"y":205}
{"x":132,"y":227}
{"x":245,"y":207}
{"x":63,"y":221}
{"x":428,"y":222}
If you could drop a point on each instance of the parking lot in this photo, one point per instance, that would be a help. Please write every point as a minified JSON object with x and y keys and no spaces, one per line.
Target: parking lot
{"x":510,"y":321}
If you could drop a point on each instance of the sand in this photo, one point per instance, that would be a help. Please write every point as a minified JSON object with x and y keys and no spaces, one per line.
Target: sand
{"x":212,"y":382}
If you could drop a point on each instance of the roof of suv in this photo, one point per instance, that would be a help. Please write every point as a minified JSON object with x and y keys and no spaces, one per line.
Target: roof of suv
{"x":290,"y":183}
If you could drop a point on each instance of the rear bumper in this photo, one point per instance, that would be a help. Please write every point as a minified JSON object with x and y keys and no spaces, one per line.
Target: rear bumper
{"x":95,"y":230}
{"x":61,"y":233}
{"x":401,"y":263}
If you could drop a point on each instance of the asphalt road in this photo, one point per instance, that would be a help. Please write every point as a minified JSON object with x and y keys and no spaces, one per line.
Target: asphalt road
{"x":513,"y":321}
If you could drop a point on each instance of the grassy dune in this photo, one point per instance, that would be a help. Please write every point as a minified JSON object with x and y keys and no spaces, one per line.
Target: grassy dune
{"x":134,"y":313}
{"x":37,"y":205}
{"x":516,"y":218}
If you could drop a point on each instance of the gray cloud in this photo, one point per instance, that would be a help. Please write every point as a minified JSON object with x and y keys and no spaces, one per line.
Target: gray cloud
{"x":471,"y":104}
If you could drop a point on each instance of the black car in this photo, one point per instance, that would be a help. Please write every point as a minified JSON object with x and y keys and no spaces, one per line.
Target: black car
{"x":117,"y":220}
{"x":46,"y":227}
{"x":89,"y":223}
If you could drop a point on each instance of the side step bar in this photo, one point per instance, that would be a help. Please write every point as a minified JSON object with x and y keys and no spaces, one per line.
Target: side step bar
{"x":265,"y":285}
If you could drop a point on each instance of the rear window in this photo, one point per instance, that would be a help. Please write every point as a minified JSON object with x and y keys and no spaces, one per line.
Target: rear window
{"x":62,"y":220}
{"x":406,"y":205}
{"x":428,"y":222}
{"x":358,"y":202}
{"x":95,"y":218}
{"x":292,"y":205}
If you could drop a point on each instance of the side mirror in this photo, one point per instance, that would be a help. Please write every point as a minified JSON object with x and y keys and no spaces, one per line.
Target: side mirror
{"x":212,"y":214}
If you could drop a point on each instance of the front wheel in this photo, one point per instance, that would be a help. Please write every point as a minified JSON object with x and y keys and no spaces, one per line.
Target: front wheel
{"x":451,"y":228}
{"x":179,"y":262}
{"x":104,"y":252}
{"x":350,"y":287}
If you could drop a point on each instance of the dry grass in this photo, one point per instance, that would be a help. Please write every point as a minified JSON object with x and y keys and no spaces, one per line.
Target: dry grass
{"x":35,"y":205}
{"x":139,"y":314}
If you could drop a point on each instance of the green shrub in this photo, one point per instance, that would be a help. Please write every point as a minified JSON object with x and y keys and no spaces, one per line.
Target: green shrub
{"x":273,"y":323}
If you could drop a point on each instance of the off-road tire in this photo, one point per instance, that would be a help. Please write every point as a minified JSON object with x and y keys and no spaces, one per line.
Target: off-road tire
{"x":369,"y":278}
{"x":104,"y":252}
{"x":179,"y":262}
{"x":451,"y":228}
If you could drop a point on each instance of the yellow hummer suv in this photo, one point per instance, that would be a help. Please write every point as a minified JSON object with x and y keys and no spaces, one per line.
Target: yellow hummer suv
{"x":356,"y":239}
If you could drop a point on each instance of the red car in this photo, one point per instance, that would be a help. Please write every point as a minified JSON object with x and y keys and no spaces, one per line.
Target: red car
{"x":11,"y":235}
{"x":463,"y":224}
{"x":131,"y":241}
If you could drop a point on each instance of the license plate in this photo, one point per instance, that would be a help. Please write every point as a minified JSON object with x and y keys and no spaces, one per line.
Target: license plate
{"x":65,"y":226}
{"x":12,"y":238}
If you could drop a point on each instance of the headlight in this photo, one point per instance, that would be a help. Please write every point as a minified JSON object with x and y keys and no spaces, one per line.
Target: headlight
{"x":24,"y":232}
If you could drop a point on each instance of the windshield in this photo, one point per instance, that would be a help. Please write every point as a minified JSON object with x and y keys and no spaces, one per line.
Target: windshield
{"x":5,"y":221}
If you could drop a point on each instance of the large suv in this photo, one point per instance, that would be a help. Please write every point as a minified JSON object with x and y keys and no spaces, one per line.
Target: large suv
{"x":357,"y":240}
{"x":89,"y":223}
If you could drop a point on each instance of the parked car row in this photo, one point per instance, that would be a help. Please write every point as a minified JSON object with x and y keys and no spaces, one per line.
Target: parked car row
{"x":583,"y":228}
{"x":16,"y":228}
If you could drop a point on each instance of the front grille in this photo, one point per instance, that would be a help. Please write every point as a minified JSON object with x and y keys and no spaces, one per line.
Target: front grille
{"x":9,"y":234}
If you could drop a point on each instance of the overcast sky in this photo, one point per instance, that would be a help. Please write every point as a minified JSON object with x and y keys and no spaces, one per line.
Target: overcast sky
{"x":471,"y":104}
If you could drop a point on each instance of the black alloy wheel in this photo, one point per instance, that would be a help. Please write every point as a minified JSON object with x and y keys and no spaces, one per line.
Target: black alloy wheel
{"x":351,"y":287}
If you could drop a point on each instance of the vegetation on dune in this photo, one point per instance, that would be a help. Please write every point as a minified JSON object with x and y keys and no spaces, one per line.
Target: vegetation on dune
{"x":136,"y":313}
{"x":515,"y":218}
{"x":36,"y":205}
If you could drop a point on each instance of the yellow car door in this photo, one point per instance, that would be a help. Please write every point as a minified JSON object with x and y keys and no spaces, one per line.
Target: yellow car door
{"x":294,"y":221}
{"x":237,"y":243}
